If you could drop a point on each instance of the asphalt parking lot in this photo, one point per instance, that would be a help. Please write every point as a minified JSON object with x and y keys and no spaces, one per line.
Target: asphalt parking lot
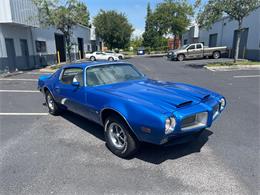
{"x":43,"y":154}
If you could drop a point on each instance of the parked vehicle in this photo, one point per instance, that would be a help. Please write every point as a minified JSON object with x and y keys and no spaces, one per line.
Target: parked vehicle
{"x":131,"y":107}
{"x":195,"y":51}
{"x":98,"y":55}
{"x":119,"y":55}
{"x":140,"y":51}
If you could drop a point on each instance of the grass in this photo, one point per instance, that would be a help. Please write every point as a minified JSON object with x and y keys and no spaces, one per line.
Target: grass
{"x":231,"y":63}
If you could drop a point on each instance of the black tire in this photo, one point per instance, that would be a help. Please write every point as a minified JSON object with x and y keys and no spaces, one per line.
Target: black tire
{"x":92,"y":58}
{"x":110,"y":59}
{"x":120,"y":57}
{"x":131,"y":144}
{"x":54,"y":109}
{"x":180,"y":57}
{"x":216,"y":55}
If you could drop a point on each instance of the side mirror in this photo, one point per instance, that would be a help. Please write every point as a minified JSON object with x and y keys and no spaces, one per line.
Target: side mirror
{"x":76,"y":84}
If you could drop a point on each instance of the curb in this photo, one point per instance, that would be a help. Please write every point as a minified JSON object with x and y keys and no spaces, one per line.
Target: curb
{"x":235,"y":67}
{"x":5,"y":75}
{"x":47,"y":70}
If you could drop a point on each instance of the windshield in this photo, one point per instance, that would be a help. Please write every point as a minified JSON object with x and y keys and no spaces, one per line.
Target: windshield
{"x":184,"y":46}
{"x":108,"y":74}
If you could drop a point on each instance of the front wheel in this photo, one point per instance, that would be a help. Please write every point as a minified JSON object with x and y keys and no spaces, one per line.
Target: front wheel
{"x":119,"y":139}
{"x":180,"y":57}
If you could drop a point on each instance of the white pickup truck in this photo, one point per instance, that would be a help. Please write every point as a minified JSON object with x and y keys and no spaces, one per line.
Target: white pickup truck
{"x":195,"y":51}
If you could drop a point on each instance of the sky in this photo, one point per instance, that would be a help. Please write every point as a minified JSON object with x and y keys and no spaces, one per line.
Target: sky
{"x":135,"y":10}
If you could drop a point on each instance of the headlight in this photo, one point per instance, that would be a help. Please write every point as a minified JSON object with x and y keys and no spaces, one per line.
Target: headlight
{"x":222,"y":103}
{"x":170,"y":125}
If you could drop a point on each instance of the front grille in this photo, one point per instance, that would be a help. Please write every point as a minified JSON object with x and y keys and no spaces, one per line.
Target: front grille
{"x":194,"y":121}
{"x":188,"y":121}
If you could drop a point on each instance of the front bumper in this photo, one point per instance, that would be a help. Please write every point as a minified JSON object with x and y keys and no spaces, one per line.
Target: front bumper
{"x":182,"y":138}
{"x":172,"y":56}
{"x":210,"y":111}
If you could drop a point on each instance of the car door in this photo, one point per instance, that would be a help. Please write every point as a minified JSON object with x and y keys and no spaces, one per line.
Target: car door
{"x":198,"y":51}
{"x":98,"y":56}
{"x":70,"y":90}
{"x":191,"y":51}
{"x":104,"y":56}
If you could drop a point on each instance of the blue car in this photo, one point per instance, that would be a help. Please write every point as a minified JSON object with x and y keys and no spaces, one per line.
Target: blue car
{"x":131,"y":107}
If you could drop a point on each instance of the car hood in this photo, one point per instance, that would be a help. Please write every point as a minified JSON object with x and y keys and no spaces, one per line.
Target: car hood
{"x":168,"y":96}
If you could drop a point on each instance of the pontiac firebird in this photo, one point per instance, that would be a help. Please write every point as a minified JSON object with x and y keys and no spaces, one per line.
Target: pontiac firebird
{"x":131,"y":107}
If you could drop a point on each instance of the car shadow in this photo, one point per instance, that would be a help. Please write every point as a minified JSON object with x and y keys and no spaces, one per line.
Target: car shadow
{"x":158,"y":154}
{"x":148,"y":152}
{"x":84,"y":124}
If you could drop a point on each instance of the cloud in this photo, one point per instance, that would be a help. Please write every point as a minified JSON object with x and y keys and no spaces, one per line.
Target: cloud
{"x":137,"y":32}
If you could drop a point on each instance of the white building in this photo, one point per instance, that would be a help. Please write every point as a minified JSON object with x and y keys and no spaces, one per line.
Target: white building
{"x":24,"y":45}
{"x":224,"y":32}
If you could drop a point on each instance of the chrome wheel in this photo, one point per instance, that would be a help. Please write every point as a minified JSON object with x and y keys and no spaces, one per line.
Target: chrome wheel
{"x":50,"y":101}
{"x":117,"y":135}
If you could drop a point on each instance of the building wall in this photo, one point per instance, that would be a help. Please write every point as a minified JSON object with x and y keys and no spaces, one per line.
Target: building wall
{"x":31,"y":34}
{"x":5,"y":11}
{"x":225,"y":28}
{"x":15,"y":32}
{"x":19,"y":12}
{"x":84,"y":33}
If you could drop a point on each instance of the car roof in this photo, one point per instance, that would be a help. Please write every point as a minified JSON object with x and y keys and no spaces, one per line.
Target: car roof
{"x":88,"y":63}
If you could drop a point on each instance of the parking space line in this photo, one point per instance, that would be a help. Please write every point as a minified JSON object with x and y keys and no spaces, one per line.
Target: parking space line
{"x":24,"y":114}
{"x":38,"y":73}
{"x":246,"y":76}
{"x":19,"y":91}
{"x":18,"y":80}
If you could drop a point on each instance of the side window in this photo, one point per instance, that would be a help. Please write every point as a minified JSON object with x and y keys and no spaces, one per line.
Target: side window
{"x":198,"y":46}
{"x":70,"y":75}
{"x":192,"y":47}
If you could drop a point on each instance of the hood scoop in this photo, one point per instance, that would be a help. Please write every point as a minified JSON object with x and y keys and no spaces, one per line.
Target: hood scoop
{"x":205,"y":98}
{"x":184,"y":104}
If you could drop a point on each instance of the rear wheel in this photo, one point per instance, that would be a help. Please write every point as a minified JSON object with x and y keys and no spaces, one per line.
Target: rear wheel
{"x":180,"y":57}
{"x":92,"y":58}
{"x":216,"y":55}
{"x":110,"y":59}
{"x":119,"y":139}
{"x":120,"y":57}
{"x":51,"y":104}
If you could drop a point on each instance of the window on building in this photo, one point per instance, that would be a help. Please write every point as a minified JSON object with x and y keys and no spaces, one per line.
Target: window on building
{"x":185,"y":41}
{"x":40,"y":46}
{"x":213,"y":40}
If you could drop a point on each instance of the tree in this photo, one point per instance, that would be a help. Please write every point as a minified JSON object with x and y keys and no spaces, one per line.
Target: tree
{"x":172,"y":17}
{"x":113,"y":28}
{"x":64,"y":15}
{"x":235,"y":9}
{"x":150,"y":36}
{"x":136,"y":42}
